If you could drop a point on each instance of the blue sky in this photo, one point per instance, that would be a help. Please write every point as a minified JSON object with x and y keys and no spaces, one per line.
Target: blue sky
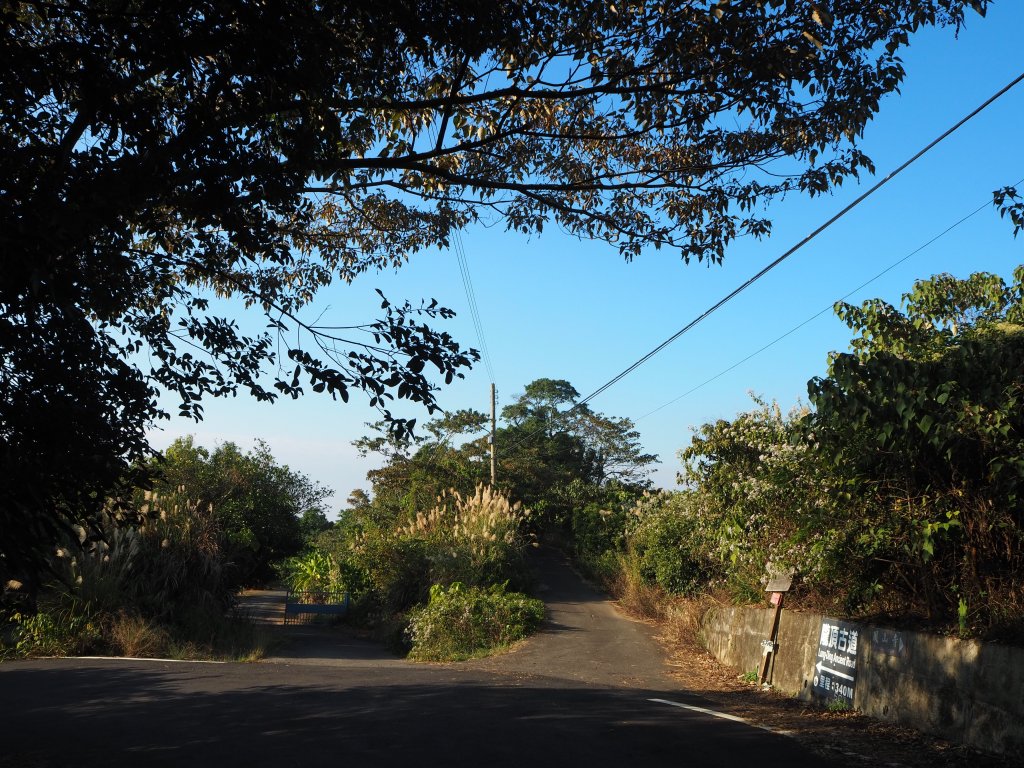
{"x":556,"y":307}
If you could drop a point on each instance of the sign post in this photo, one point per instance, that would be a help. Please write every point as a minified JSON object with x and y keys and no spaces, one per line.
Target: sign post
{"x":778,"y":586}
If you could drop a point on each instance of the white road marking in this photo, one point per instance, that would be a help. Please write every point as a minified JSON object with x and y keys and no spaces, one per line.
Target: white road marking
{"x":720,"y":715}
{"x":141,"y":658}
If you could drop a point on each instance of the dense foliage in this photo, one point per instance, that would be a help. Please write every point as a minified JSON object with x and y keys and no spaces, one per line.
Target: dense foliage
{"x":166,"y":584}
{"x":553,"y":455}
{"x":156,"y":157}
{"x":924,"y":418}
{"x":898,"y":493}
{"x":259,"y":505}
{"x":159,"y":589}
{"x":478,"y":540}
{"x":432,"y":523}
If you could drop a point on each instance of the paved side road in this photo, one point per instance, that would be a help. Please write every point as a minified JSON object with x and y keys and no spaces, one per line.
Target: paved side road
{"x":585,"y":639}
{"x":581,"y":692}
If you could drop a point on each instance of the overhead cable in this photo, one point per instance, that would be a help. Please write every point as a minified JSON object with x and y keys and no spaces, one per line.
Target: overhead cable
{"x":827,"y":309}
{"x":737,"y":291}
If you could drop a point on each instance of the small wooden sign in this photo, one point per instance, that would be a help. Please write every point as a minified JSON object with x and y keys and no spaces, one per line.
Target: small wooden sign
{"x":780,"y":583}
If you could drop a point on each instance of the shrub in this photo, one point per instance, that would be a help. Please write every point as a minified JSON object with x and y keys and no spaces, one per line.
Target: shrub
{"x":314,"y":571}
{"x":389,"y":573}
{"x":149,"y":590}
{"x":596,"y":529}
{"x":57,"y":631}
{"x":132,"y":635}
{"x":477,"y":540}
{"x":460,"y":622}
{"x":669,"y":545}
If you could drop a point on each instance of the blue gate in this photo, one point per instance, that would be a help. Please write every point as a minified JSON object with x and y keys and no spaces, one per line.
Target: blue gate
{"x":304,"y":607}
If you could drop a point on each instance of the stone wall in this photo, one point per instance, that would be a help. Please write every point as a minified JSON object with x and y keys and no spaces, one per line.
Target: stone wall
{"x":962,"y":690}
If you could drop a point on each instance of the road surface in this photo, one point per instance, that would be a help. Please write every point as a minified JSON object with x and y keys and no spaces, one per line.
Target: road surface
{"x":589,"y":690}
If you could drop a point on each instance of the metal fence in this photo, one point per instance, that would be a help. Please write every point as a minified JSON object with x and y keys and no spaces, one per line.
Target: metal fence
{"x":305,"y":607}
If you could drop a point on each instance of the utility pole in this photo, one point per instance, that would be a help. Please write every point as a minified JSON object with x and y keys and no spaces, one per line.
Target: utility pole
{"x":494,"y":422}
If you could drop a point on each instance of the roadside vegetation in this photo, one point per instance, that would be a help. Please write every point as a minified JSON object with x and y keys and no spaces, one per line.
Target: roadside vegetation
{"x":165,"y":587}
{"x":894,"y":494}
{"x":435,"y":560}
{"x":460,"y":622}
{"x":314,"y":172}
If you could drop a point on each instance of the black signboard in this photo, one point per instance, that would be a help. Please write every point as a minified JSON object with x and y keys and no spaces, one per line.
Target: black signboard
{"x":835,"y":668}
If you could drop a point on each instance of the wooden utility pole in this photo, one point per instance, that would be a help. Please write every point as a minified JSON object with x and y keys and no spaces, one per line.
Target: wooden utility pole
{"x":494,"y":466}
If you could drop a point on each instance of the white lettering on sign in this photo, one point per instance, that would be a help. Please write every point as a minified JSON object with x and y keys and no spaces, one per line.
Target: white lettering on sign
{"x":835,"y":670}
{"x":835,"y":658}
{"x":826,"y":630}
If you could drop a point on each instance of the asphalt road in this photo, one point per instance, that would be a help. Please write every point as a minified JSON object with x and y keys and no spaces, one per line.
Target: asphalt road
{"x":589,"y":690}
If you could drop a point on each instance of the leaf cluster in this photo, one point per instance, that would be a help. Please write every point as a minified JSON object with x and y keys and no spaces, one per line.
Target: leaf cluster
{"x":157,"y":158}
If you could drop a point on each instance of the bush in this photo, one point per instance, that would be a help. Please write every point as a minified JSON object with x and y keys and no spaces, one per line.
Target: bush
{"x":390,"y":574}
{"x":150,"y":590}
{"x":460,"y":622}
{"x":58,"y":631}
{"x":314,"y":571}
{"x":132,"y":635}
{"x":669,"y":545}
{"x":596,"y":530}
{"x":171,"y":564}
{"x":477,"y":540}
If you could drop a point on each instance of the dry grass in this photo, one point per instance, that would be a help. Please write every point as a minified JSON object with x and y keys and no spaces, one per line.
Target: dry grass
{"x":482,"y":520}
{"x":132,"y":635}
{"x":635,"y":594}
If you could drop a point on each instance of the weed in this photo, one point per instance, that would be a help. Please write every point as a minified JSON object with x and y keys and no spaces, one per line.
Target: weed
{"x":961,"y":615}
{"x":838,"y":705}
{"x":132,"y":635}
{"x":58,"y":631}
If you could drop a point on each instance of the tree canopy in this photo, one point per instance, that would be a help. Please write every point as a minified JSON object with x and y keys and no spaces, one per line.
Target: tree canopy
{"x":156,"y":156}
{"x":551,"y":453}
{"x":262,"y":508}
{"x":923,"y":415}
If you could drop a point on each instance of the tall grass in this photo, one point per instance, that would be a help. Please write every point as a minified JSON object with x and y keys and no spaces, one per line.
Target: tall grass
{"x":477,"y":539}
{"x":156,"y":589}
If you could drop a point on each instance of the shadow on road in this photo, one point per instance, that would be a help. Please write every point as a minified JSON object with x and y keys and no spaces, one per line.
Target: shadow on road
{"x":110,"y":714}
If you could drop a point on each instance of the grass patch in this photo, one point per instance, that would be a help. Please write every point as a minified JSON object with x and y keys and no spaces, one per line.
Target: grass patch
{"x":68,"y":627}
{"x":132,"y":635}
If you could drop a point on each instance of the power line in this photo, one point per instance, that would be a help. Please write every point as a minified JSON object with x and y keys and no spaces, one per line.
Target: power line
{"x":815,"y":316}
{"x":467,"y":284}
{"x":474,"y":309}
{"x":736,"y":292}
{"x":722,"y":302}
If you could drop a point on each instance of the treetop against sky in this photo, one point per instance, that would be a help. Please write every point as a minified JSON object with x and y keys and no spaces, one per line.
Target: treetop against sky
{"x":193,"y":186}
{"x":557,"y":306}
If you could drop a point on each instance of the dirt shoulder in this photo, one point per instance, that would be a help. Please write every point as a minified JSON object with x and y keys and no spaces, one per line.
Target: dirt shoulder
{"x":848,"y":735}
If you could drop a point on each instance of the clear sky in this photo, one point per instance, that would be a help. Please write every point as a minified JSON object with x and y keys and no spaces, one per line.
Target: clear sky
{"x":555,"y":307}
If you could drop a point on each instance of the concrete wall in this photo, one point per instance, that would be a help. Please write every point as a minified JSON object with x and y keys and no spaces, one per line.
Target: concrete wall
{"x":964,"y":691}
